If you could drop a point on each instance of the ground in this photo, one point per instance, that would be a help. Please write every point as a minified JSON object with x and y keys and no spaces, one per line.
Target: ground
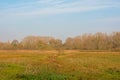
{"x":51,"y":65}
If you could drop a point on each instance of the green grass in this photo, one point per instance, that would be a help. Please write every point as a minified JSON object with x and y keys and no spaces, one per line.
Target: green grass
{"x":49,"y":65}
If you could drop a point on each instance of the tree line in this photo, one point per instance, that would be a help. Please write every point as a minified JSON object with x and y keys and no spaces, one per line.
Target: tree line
{"x":99,"y":41}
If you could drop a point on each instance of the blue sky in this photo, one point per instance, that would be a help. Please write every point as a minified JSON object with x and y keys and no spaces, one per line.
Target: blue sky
{"x":57,"y":18}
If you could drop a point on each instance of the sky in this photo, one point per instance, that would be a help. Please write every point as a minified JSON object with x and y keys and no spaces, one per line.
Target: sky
{"x":57,"y":18}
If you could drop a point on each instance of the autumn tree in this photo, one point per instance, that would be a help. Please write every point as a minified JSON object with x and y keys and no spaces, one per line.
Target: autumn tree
{"x":5,"y":45}
{"x":56,"y":44}
{"x":36,"y":42}
{"x":15,"y":44}
{"x":116,"y":40}
{"x":69,"y":43}
{"x":99,"y":41}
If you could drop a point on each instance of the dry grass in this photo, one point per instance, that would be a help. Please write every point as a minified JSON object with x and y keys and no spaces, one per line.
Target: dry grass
{"x":50,"y":65}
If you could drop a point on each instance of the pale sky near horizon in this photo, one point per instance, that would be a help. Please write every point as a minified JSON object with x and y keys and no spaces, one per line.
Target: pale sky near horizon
{"x":57,"y":18}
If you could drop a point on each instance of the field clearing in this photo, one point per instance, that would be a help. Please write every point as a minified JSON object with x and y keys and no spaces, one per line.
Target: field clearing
{"x":51,"y":65}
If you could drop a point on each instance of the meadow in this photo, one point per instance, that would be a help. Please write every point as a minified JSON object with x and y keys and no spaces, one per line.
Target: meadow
{"x":51,"y":65}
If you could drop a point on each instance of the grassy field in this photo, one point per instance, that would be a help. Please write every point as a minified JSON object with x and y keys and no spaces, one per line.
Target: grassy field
{"x":50,"y":65}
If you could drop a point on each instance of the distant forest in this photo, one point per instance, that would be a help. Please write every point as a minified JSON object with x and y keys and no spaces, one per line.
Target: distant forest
{"x":99,"y":41}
